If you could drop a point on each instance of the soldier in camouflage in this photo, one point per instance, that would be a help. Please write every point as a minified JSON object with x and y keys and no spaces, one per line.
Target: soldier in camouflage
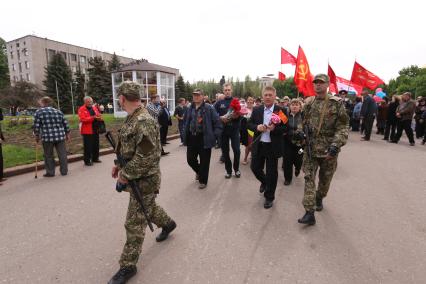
{"x":139,"y":144}
{"x":326,"y":117}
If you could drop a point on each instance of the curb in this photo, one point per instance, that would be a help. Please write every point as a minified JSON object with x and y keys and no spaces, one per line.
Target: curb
{"x":23,"y":169}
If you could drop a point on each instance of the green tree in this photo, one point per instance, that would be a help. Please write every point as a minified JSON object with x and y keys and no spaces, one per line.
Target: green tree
{"x":23,"y":95}
{"x":420,"y":83}
{"x":4,"y":67}
{"x":285,"y":88}
{"x":114,"y":63}
{"x":58,"y":72}
{"x":79,"y":87}
{"x":99,"y":86}
{"x":180,"y":89}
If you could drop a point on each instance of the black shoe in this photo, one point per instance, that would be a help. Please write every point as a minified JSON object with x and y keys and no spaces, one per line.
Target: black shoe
{"x":318,"y":203}
{"x":227,"y":176}
{"x":88,"y":164}
{"x":167,"y":143}
{"x":287,"y":182}
{"x":412,"y":144}
{"x":166,"y":230}
{"x":48,"y":175}
{"x":262,"y":188}
{"x":64,"y":174}
{"x":97,"y":161}
{"x":393,"y":141}
{"x":164,"y":153}
{"x":237,"y":174}
{"x":297,"y":172}
{"x":423,"y":142}
{"x":308,"y":218}
{"x":385,"y":139}
{"x":123,"y":275}
{"x":268,"y":204}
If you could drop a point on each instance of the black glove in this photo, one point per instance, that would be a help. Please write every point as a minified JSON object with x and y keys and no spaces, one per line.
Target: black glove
{"x":333,"y":151}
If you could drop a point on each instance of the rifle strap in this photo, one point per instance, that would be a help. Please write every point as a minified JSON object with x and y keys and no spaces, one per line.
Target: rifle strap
{"x":323,"y":111}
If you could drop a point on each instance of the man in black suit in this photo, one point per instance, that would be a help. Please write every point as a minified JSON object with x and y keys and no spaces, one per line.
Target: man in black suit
{"x":267,"y":144}
{"x":368,"y":114}
{"x":164,"y":119}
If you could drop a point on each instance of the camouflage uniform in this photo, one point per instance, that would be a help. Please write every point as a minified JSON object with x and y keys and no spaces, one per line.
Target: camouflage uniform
{"x":333,"y":132}
{"x":139,"y":144}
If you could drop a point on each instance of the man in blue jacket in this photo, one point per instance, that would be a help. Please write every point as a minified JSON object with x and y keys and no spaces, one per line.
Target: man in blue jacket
{"x":201,"y":127}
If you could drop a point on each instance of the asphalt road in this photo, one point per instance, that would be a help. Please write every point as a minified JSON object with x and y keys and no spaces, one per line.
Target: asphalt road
{"x":372,"y":229}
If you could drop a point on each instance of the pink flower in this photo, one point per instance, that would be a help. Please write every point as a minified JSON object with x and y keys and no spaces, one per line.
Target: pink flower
{"x":275,"y":119}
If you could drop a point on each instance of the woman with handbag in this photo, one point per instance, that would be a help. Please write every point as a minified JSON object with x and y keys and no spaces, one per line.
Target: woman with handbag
{"x":91,"y":124}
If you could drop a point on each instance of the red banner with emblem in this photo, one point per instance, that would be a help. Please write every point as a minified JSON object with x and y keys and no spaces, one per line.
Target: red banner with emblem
{"x":365,"y":78}
{"x":287,"y":57}
{"x":302,"y":75}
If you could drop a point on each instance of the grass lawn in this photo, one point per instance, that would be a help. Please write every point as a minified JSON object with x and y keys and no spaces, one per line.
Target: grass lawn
{"x":14,"y":155}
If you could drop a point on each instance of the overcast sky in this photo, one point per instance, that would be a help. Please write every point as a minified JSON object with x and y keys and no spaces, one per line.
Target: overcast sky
{"x":207,"y":39}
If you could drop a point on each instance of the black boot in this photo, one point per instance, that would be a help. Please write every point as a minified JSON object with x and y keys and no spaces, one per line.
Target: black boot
{"x":319,"y":204}
{"x":308,"y":218}
{"x":166,"y":230}
{"x":123,"y":275}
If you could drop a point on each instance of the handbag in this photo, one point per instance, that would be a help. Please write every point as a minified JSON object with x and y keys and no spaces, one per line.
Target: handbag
{"x":99,"y":126}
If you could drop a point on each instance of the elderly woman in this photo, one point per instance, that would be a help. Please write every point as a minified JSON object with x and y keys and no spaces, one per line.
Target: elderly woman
{"x":90,"y":118}
{"x":293,"y":142}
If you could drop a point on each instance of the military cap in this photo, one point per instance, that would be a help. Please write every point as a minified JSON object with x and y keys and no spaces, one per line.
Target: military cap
{"x":197,"y":92}
{"x":343,"y":92}
{"x":321,"y":77}
{"x":130,"y":90}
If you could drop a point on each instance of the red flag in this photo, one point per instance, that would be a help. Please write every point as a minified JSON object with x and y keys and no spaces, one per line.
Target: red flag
{"x":302,"y":75}
{"x":365,"y":78}
{"x":333,"y":80}
{"x":287,"y":57}
{"x":281,"y":76}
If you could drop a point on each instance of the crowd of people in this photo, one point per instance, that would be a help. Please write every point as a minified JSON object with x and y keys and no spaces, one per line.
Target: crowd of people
{"x":308,"y":133}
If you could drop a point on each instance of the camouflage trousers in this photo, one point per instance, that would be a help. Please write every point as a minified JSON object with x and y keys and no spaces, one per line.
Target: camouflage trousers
{"x":136,"y":225}
{"x":327,"y":168}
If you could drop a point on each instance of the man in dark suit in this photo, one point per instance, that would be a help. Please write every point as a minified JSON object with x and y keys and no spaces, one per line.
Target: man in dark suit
{"x":164,"y":119}
{"x":267,"y":144}
{"x":368,"y":114}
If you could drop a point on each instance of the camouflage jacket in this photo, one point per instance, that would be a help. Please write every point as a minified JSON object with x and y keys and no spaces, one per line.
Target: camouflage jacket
{"x":334,"y":129}
{"x":139,"y":144}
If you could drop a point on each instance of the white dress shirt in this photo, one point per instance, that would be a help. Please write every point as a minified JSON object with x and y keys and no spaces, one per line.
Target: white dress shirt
{"x":267,"y":114}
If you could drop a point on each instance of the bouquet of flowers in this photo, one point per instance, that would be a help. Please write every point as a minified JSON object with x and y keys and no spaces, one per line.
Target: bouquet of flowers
{"x":234,"y":109}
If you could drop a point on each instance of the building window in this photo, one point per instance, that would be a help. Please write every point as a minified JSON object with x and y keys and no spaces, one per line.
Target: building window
{"x":28,"y":77}
{"x":13,"y":67}
{"x":15,"y":79}
{"x":83,"y":71}
{"x":18,"y":54}
{"x":27,"y":65}
{"x":73,"y":57}
{"x":21,"y":77}
{"x":17,"y":44}
{"x":25,"y":51}
{"x":82,"y":59}
{"x":73,"y":69}
{"x":64,"y":55}
{"x":51,"y":53}
{"x":11,"y":55}
{"x":24,"y":42}
{"x":20,"y":67}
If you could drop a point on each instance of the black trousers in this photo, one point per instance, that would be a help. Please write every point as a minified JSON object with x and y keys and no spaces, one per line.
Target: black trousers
{"x":355,"y":124}
{"x":91,"y":147}
{"x":291,"y":158}
{"x":368,"y":124}
{"x":420,"y":129}
{"x":269,"y":179}
{"x":163,"y":134}
{"x":196,"y":150}
{"x":404,"y":125}
{"x":234,"y":137}
{"x":390,"y":130}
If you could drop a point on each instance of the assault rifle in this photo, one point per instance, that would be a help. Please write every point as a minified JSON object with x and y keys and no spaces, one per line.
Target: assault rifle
{"x":121,"y":162}
{"x":307,"y":129}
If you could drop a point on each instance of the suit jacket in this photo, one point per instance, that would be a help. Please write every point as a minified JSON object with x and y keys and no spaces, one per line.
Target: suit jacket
{"x":276,"y":135}
{"x":164,"y":118}
{"x":369,"y":107}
